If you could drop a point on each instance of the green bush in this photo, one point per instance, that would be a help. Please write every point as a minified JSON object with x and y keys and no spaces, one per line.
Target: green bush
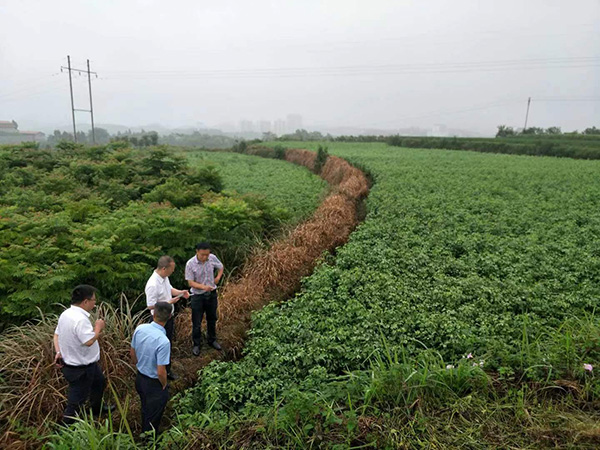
{"x":103,"y":216}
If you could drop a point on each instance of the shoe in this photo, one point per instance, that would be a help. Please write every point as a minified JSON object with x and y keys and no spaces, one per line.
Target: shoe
{"x":196,"y":350}
{"x":215,"y":345}
{"x":171,"y":376}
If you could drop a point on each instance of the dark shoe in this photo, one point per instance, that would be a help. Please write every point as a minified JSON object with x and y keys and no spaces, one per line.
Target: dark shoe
{"x":196,"y":350}
{"x":171,"y":376}
{"x":215,"y":345}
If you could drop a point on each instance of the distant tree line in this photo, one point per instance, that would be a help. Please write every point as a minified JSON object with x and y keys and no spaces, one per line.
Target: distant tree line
{"x":102,"y":136}
{"x":504,"y":131}
{"x":142,"y":139}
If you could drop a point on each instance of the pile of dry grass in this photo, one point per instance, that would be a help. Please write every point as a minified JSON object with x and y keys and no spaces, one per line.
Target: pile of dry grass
{"x":276,"y":272}
{"x":301,"y":157}
{"x":349,"y":180}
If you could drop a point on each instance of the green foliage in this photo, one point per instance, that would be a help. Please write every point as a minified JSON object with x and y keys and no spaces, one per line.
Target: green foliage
{"x":103,"y":215}
{"x":535,"y":142}
{"x":279,"y":152}
{"x":460,"y":252}
{"x":240,"y":147}
{"x":322,"y":155}
{"x":291,"y":190}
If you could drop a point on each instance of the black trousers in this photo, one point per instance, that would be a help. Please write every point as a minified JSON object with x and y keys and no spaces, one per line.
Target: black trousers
{"x":170,"y":329}
{"x":204,"y":303}
{"x":84,"y":382}
{"x":154,"y":400}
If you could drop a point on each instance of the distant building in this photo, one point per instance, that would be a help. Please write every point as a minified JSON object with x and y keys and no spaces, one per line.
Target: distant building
{"x":439,"y":129}
{"x":264,"y":126}
{"x":10,"y":134}
{"x":279,"y":127}
{"x":7,"y":126}
{"x":246,"y":126}
{"x":293,"y":122}
{"x":34,"y":136}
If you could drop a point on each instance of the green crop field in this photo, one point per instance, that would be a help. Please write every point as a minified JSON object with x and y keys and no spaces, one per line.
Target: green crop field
{"x":104,"y":215}
{"x":461,"y":313}
{"x":285,"y":186}
{"x":478,"y":262}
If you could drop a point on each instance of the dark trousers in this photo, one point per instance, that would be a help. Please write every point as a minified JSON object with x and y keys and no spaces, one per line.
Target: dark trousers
{"x":154,"y":400}
{"x":84,"y":382}
{"x":204,"y":303}
{"x":170,"y":329}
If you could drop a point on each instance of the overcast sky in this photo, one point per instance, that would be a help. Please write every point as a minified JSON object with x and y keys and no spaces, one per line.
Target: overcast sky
{"x":464,"y":63}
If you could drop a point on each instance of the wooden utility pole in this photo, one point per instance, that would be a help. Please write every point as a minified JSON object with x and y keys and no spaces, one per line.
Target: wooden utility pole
{"x":73,"y":109}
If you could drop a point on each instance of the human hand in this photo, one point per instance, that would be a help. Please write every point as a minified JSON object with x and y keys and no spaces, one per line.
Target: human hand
{"x":186,"y":294}
{"x":99,"y":325}
{"x":58,"y":361}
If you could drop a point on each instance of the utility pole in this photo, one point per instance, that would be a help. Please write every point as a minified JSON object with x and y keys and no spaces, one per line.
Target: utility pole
{"x":91,"y":106}
{"x":73,"y":109}
{"x":72,"y":102}
{"x":527,"y":113}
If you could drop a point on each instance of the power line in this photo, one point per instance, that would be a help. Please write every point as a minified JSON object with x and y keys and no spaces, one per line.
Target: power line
{"x":391,"y":69}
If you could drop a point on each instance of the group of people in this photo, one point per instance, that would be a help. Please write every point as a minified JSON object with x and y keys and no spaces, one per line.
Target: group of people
{"x":78,"y":351}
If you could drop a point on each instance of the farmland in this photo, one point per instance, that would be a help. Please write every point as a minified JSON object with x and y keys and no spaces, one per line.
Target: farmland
{"x":251,"y":175}
{"x":493,"y":257}
{"x":104,"y":215}
{"x":461,"y":313}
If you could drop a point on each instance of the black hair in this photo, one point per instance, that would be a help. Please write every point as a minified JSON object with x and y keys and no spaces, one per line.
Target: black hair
{"x":202,"y":246}
{"x":162,"y":311}
{"x":81,"y":293}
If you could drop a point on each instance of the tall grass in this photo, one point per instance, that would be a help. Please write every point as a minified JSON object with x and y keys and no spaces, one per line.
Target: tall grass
{"x":32,"y":389}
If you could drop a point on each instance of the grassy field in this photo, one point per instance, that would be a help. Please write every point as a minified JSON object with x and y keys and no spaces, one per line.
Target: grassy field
{"x":285,"y":186}
{"x":461,"y":312}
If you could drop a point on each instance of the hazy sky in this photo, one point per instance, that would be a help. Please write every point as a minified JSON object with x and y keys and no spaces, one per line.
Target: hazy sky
{"x":464,"y":63}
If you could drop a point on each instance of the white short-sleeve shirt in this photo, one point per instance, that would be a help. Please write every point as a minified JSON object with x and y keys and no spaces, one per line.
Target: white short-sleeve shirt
{"x":158,"y":289}
{"x":74,"y":329}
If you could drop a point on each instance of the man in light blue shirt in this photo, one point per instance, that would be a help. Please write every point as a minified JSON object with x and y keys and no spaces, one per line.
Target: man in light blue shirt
{"x":151,"y":352}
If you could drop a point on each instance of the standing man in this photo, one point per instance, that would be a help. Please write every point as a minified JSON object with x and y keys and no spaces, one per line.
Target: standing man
{"x":159,"y":289}
{"x":151,"y":353}
{"x":78,"y":353}
{"x":200,"y":275}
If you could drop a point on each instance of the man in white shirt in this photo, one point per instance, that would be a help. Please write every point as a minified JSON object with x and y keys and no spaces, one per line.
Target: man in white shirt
{"x":78,"y":353}
{"x":159,"y":289}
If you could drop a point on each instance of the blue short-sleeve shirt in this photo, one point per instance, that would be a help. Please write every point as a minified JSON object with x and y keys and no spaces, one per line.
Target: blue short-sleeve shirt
{"x":152,"y":348}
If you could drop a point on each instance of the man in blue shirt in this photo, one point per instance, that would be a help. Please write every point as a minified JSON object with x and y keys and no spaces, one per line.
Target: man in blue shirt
{"x":151,"y":352}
